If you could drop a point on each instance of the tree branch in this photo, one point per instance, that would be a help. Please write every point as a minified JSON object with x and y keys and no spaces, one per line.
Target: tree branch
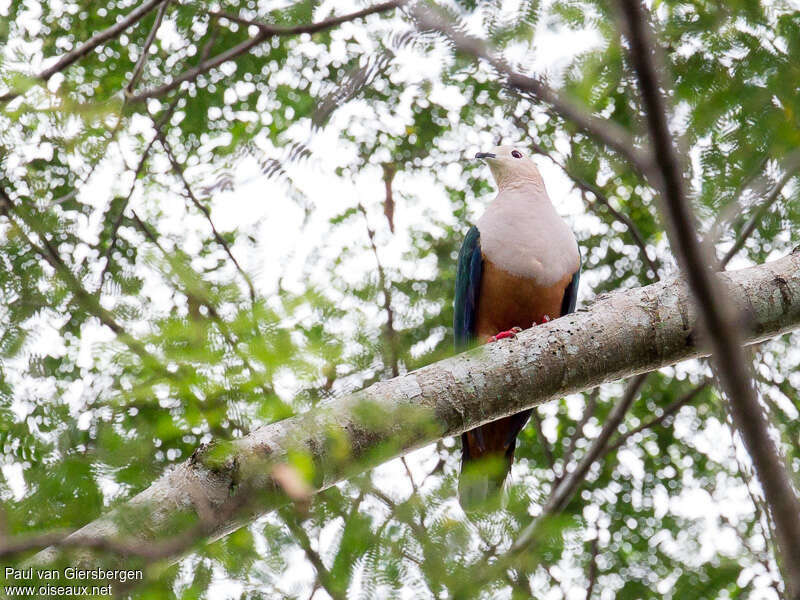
{"x":385,"y":286}
{"x":103,"y":36}
{"x":588,"y":411}
{"x":265,"y":32}
{"x":717,"y":316}
{"x":178,"y":168}
{"x":157,"y":124}
{"x":669,"y":411}
{"x":751,"y":225}
{"x":137,"y":70}
{"x":548,"y":452}
{"x":605,"y":131}
{"x":592,"y":576}
{"x":326,"y":581}
{"x":566,"y":487}
{"x":622,"y":335}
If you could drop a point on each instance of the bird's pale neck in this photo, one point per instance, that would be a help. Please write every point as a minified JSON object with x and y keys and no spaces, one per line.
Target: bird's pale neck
{"x":507,"y":179}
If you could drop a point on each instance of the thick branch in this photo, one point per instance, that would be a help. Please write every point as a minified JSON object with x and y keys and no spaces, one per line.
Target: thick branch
{"x":622,"y":335}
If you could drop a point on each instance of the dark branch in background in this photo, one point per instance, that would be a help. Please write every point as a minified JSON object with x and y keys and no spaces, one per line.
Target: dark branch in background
{"x":65,"y":61}
{"x":603,"y":130}
{"x":757,"y":185}
{"x":178,"y":168}
{"x":221,"y":324}
{"x":389,"y":171}
{"x":548,"y":453}
{"x":669,"y":411}
{"x":716,"y":314}
{"x":762,"y":519}
{"x":383,"y":283}
{"x":564,"y":489}
{"x":112,"y":135}
{"x":324,"y":577}
{"x":118,"y":221}
{"x":588,"y":411}
{"x":87,"y":300}
{"x":563,"y":492}
{"x":763,"y":208}
{"x":592,"y":576}
{"x":265,"y":32}
{"x":137,"y":70}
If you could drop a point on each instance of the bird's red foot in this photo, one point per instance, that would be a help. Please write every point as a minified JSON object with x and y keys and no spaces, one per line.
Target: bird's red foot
{"x":545,"y":319}
{"x":509,"y":333}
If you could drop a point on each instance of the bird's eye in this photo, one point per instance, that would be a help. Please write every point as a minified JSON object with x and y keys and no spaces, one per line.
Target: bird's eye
{"x":516,"y":154}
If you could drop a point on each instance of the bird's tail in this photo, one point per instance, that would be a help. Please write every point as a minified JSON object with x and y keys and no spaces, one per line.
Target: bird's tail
{"x":487,"y":453}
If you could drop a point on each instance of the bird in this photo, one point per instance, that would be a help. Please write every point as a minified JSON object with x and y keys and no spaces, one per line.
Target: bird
{"x":518,"y":266}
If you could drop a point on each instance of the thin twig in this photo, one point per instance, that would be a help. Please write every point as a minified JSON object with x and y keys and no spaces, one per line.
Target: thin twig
{"x":751,"y":225}
{"x":757,"y":185}
{"x":548,"y":453}
{"x":410,"y":476}
{"x":669,"y":411}
{"x":178,"y":168}
{"x":715,"y":311}
{"x":588,"y":411}
{"x":87,"y":300}
{"x":592,"y":577}
{"x":324,"y":576}
{"x":103,"y":36}
{"x":221,"y":324}
{"x":118,"y":221}
{"x":383,"y":282}
{"x":137,"y":70}
{"x":564,"y":491}
{"x":265,"y":32}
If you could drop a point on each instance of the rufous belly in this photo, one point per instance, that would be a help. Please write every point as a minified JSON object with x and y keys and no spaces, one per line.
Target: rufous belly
{"x":507,"y":301}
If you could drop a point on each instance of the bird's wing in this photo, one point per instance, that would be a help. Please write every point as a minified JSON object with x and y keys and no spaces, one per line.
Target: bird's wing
{"x":571,"y":294}
{"x":468,"y":284}
{"x":499,"y":437}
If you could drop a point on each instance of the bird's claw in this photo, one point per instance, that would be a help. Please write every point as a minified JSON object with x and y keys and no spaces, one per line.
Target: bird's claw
{"x":546,"y":319}
{"x":509,"y":333}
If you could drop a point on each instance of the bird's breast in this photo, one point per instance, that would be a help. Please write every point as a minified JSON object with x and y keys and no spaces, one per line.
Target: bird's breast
{"x":538,"y":247}
{"x":529,"y":258}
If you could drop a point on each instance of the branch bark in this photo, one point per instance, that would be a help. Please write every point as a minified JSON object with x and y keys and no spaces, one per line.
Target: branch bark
{"x":622,"y":335}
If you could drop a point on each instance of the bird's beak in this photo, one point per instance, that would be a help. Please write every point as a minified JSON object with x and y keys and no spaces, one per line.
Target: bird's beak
{"x":485,"y":155}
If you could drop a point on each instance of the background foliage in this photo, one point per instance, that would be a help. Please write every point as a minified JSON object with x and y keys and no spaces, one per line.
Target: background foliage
{"x":135,"y":326}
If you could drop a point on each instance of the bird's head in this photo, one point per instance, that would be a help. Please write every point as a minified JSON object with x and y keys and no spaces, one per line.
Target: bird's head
{"x":511,"y":165}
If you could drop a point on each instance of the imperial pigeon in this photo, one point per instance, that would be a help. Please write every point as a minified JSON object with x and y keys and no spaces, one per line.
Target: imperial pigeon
{"x":518,"y":267}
